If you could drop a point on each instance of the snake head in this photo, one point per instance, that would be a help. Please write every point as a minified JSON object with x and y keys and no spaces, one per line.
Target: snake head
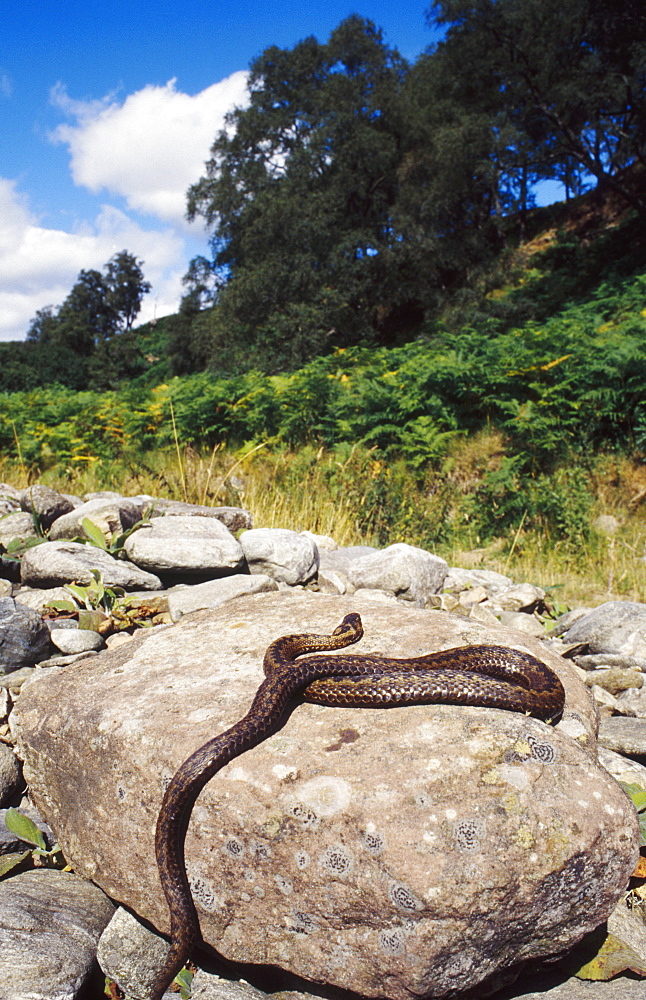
{"x":350,"y":624}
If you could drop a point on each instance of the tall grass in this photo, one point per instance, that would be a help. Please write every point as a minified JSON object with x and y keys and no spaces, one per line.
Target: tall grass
{"x":357,"y":497}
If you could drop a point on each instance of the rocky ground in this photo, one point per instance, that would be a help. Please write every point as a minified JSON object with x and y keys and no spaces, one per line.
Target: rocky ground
{"x":426,"y":850}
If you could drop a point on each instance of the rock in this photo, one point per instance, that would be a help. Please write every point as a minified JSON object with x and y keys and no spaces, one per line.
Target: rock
{"x":622,"y":768}
{"x":233,"y":518}
{"x":56,"y":563}
{"x":615,"y":679}
{"x":37,"y":598}
{"x":626,"y":736}
{"x":10,"y":775}
{"x":565,"y":621}
{"x":15,"y":680}
{"x":45,"y":503}
{"x":321,"y":541}
{"x":340,"y":559}
{"x":523,"y":597}
{"x":613,"y":627}
{"x":522,"y":622}
{"x":24,"y":637}
{"x":76,"y":640}
{"x":10,"y":493}
{"x":18,"y":526}
{"x":404,"y":570}
{"x":285,"y":556}
{"x":606,"y":524}
{"x":130,"y":954}
{"x":5,"y":588}
{"x":474,"y":595}
{"x":594,"y":660}
{"x":50,"y":923}
{"x":213,"y":593}
{"x":110,"y":516}
{"x":330,"y":582}
{"x":298,"y":859}
{"x":185,"y":548}
{"x":459,"y":579}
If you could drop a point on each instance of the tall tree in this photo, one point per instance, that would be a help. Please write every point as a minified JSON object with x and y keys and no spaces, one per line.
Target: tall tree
{"x":299,"y":194}
{"x":569,"y":77}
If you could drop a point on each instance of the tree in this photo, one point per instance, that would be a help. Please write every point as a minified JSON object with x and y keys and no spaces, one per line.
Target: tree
{"x":568,"y":77}
{"x":98,"y":307}
{"x":299,"y":193}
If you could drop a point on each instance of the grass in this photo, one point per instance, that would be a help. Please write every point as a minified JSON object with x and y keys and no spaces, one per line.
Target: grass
{"x":358,"y":498}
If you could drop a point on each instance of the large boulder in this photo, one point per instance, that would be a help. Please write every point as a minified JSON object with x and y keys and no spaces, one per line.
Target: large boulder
{"x":412,"y":851}
{"x":56,"y":563}
{"x":185,"y":548}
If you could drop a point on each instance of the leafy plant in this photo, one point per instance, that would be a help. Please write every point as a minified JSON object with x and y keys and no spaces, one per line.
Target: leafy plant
{"x":94,"y":535}
{"x":26,"y":830}
{"x":637,"y":795}
{"x":103,"y":609}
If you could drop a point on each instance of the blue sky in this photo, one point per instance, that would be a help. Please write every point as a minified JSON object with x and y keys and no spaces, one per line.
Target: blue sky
{"x":107,"y":113}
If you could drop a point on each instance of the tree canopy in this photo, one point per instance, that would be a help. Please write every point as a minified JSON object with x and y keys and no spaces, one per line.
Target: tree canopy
{"x":355,"y":191}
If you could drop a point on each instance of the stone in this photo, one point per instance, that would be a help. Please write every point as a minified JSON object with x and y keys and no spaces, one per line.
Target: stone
{"x":10,"y":775}
{"x":37,"y":598}
{"x":233,"y":518}
{"x":8,"y":492}
{"x":523,"y":622}
{"x":130,"y":954}
{"x":404,"y":570}
{"x":110,"y":516}
{"x":623,"y":735}
{"x":523,"y":597}
{"x":24,"y":637}
{"x":328,"y":850}
{"x":18,"y":526}
{"x":285,"y":556}
{"x":213,"y":593}
{"x":459,"y":579}
{"x":339,"y":559}
{"x":622,"y":768}
{"x":46,"y":503}
{"x":60,"y":562}
{"x":473,"y":595}
{"x":606,"y":524}
{"x":321,"y":541}
{"x":50,"y":923}
{"x":613,"y":627}
{"x":76,"y":640}
{"x":183,"y":548}
{"x":5,"y":588}
{"x":615,"y":679}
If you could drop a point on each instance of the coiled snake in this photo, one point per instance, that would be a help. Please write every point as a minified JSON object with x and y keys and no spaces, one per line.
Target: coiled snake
{"x":472,"y":675}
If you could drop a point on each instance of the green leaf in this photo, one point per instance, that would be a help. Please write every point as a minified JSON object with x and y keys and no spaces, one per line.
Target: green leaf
{"x":61,"y":606}
{"x":184,"y":978}
{"x":94,"y":533}
{"x":614,"y":956}
{"x":9,"y":861}
{"x":24,"y":828}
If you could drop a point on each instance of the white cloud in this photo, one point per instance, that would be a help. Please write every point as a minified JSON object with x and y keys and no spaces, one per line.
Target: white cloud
{"x":38,"y":266}
{"x":150,"y":147}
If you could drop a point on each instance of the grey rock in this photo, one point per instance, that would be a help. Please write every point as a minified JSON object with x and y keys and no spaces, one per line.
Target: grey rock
{"x":14,"y":681}
{"x":296,"y":856}
{"x":459,"y":579}
{"x":215,"y":592}
{"x":18,"y":526}
{"x":331,"y":582}
{"x":110,"y":517}
{"x":37,"y":598}
{"x":593,"y":660}
{"x":24,"y":637}
{"x":50,"y":923}
{"x":185,"y":548}
{"x":339,"y":559}
{"x":567,"y":620}
{"x":321,"y":541}
{"x":622,"y":768}
{"x":130,"y":954}
{"x":8,"y":492}
{"x":233,"y":518}
{"x":285,"y":556}
{"x":523,"y":622}
{"x":45,"y":502}
{"x":615,"y":679}
{"x":5,"y":588}
{"x":404,"y":570}
{"x":10,"y":775}
{"x":549,"y":988}
{"x":60,"y":562}
{"x":473,"y":595}
{"x":76,"y":640}
{"x":623,"y":735}
{"x":523,"y":597}
{"x":613,"y":627}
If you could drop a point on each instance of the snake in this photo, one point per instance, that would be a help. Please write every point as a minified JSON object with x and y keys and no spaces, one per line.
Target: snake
{"x":486,"y":675}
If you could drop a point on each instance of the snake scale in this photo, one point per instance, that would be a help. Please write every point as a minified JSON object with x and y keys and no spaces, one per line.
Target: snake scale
{"x":472,"y":675}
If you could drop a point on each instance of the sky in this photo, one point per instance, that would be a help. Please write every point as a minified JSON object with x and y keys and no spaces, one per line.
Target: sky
{"x":107,"y":115}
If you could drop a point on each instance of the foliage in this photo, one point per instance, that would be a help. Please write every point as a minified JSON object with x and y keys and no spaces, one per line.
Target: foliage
{"x":40,"y":855}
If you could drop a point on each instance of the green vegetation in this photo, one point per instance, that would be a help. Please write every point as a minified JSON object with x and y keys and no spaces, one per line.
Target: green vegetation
{"x":390,"y":343}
